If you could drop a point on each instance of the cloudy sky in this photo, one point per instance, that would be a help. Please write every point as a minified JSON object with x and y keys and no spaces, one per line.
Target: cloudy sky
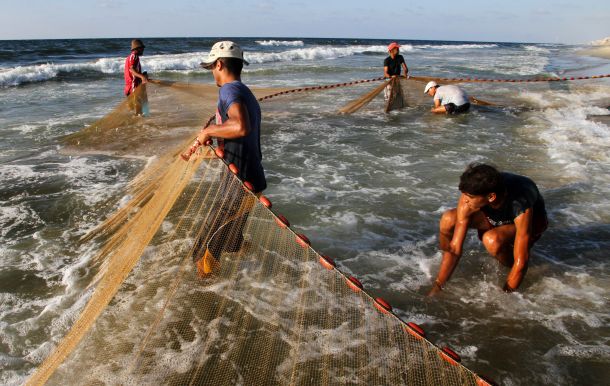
{"x":562,"y":21}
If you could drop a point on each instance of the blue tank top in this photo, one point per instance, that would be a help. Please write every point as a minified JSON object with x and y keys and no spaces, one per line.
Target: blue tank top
{"x":244,"y":152}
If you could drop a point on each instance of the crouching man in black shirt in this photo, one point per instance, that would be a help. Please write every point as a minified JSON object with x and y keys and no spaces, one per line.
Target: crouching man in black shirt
{"x":508,"y":212}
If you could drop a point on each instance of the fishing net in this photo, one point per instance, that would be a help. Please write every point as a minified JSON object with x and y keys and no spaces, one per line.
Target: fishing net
{"x":395,"y":99}
{"x":402,"y":92}
{"x":200,"y":282}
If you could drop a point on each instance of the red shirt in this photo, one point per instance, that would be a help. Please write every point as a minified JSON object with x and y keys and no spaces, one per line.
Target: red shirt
{"x":131,"y":82}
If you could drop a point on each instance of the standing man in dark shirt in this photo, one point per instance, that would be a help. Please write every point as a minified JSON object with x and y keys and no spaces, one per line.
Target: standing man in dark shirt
{"x":237,"y":128}
{"x":392,"y":66}
{"x":509,"y":214}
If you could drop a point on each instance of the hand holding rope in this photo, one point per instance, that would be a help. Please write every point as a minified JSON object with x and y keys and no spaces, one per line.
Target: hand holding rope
{"x":197,"y":143}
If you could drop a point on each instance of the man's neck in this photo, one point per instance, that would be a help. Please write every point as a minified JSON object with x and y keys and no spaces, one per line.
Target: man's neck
{"x":228,"y":78}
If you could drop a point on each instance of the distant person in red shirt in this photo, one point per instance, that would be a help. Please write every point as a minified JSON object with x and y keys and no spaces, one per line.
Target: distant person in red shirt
{"x":133,"y":71}
{"x":134,"y":75}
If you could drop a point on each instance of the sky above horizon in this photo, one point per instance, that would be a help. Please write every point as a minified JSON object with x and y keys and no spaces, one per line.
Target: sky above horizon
{"x":564,"y":21}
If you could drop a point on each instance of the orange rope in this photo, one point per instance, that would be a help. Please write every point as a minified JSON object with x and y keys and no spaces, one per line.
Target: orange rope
{"x":480,"y":80}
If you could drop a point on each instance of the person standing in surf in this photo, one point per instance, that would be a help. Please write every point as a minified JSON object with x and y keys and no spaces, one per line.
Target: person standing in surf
{"x":134,"y":76}
{"x":447,"y":99}
{"x":394,"y":63}
{"x":392,"y":66}
{"x":509,"y":214}
{"x":238,"y":114}
{"x":237,"y":128}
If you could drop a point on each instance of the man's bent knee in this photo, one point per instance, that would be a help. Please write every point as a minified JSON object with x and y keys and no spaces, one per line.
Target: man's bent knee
{"x":492,"y":243}
{"x":498,"y":248}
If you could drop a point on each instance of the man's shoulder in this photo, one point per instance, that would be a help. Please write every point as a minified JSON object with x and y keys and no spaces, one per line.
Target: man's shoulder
{"x":235,"y":87}
{"x":132,"y":58}
{"x":236,"y":91}
{"x":516,"y":179}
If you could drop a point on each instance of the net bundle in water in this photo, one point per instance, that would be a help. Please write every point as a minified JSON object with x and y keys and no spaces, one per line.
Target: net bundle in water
{"x":201,"y":283}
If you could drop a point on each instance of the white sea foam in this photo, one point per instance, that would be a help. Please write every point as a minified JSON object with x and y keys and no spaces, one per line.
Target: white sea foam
{"x":453,"y":46}
{"x":577,"y":145}
{"x":537,"y":49}
{"x":288,"y":43}
{"x":13,"y":217}
{"x":43,"y":72}
{"x":312,"y":53}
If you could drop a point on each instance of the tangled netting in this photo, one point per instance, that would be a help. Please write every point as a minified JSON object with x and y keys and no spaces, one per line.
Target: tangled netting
{"x":200,"y":282}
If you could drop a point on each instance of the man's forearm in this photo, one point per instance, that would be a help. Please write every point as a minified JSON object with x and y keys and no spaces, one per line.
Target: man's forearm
{"x":448,"y":265}
{"x":516,"y":274}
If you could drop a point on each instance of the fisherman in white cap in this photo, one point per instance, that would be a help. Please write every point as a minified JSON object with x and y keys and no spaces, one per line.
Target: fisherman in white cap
{"x":447,"y":99}
{"x":238,"y":114}
{"x":237,"y":129}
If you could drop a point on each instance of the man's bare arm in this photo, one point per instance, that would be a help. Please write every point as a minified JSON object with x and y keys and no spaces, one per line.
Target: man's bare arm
{"x":438,"y":108}
{"x":523,"y":226}
{"x":143,"y":77}
{"x":453,"y":251}
{"x":237,"y":126}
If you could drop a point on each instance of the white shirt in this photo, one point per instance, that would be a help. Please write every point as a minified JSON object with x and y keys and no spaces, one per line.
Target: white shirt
{"x":451,"y":94}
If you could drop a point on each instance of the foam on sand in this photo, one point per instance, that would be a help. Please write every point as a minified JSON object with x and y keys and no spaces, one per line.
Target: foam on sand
{"x":599,"y":48}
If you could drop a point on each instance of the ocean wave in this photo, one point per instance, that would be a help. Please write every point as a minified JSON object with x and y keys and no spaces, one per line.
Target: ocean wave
{"x":313,"y":53}
{"x":186,"y":62}
{"x":289,"y":43}
{"x":455,"y":46}
{"x":43,"y":72}
{"x":537,"y":49}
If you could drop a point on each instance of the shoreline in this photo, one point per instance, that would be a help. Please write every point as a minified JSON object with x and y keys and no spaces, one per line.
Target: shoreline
{"x":596,"y":51}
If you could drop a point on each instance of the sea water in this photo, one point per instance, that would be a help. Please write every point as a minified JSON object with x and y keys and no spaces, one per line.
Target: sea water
{"x":367,"y":188}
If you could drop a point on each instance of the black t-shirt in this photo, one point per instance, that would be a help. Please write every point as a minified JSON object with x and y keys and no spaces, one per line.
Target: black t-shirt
{"x":393,"y":65}
{"x":244,"y":152}
{"x":521,"y":194}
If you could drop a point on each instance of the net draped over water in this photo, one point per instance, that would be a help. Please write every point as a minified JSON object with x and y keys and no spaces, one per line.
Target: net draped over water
{"x":200,"y":282}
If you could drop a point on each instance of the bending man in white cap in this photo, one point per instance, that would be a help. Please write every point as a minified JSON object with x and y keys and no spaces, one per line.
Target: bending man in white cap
{"x":447,"y":99}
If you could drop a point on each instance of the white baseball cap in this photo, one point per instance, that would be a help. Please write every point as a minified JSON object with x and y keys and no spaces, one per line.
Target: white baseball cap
{"x":429,"y":86}
{"x":224,"y":49}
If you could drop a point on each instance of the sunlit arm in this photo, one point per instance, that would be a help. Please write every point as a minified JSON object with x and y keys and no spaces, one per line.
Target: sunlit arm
{"x":142,"y":77}
{"x":452,"y":250}
{"x":438,"y":108}
{"x":523,"y":229}
{"x":237,"y":126}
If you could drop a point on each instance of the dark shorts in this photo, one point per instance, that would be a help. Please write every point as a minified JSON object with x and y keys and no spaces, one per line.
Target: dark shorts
{"x":451,"y":108}
{"x":540,"y":224}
